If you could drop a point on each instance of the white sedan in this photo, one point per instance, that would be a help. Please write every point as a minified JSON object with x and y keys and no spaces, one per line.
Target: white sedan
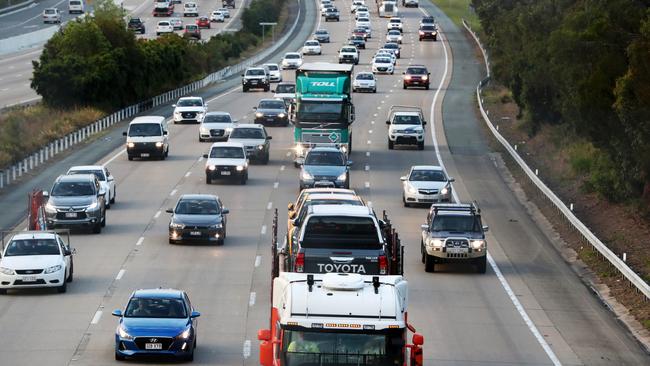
{"x":361,"y":14}
{"x":225,"y":12}
{"x":217,"y":16}
{"x":311,"y":47}
{"x":164,"y":26}
{"x":363,"y":22}
{"x":387,"y":53}
{"x":394,"y":23}
{"x":364,"y":81}
{"x":36,"y":259}
{"x":394,"y":36}
{"x":382,"y":65}
{"x":103,"y":176}
{"x":275,"y":75}
{"x":291,"y":60}
{"x":426,"y":184}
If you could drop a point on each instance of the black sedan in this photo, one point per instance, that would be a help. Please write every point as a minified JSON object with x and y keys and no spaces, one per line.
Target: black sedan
{"x":198,"y":218}
{"x":358,"y":41}
{"x":271,"y":112}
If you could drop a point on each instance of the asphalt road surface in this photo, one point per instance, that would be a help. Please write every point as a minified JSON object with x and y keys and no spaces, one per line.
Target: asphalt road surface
{"x":466,"y":318}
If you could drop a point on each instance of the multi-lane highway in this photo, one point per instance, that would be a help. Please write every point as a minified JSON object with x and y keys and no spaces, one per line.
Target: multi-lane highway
{"x":528,"y":309}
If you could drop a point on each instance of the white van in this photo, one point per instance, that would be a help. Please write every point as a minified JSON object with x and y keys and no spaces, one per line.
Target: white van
{"x":76,"y":6}
{"x":147,"y":137}
{"x":388,"y":9}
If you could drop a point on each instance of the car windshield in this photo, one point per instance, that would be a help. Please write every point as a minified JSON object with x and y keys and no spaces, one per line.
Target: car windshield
{"x":147,"y":307}
{"x":217,"y":118}
{"x":349,"y":49}
{"x":321,"y":32}
{"x":271,"y":104}
{"x":32,"y":247}
{"x":135,"y":21}
{"x":98,"y":173}
{"x":416,"y":70}
{"x":255,"y":72}
{"x":247,"y":133}
{"x":394,"y":33}
{"x":144,"y":129}
{"x":325,"y":158}
{"x":197,"y":206}
{"x":73,"y":189}
{"x":363,"y":20}
{"x":190,"y":103}
{"x":428,"y":27}
{"x":163,"y":24}
{"x":191,"y":27}
{"x":311,"y":43}
{"x":285,"y":88}
{"x":391,"y":45}
{"x":427,"y":176}
{"x":292,"y":55}
{"x":50,"y":11}
{"x":382,"y":60}
{"x":273,"y":67}
{"x":453,"y":223}
{"x":395,"y":21}
{"x":341,"y":232}
{"x":227,"y":152}
{"x":406,"y":120}
{"x":365,"y":77}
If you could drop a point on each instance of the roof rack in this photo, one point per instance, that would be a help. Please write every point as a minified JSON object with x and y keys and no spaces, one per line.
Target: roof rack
{"x":458,"y":207}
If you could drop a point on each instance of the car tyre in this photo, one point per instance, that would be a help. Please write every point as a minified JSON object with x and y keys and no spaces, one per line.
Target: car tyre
{"x":63,"y":288}
{"x":422,"y":252}
{"x":406,"y":204}
{"x":421,"y":145}
{"x":429,"y":263}
{"x":481,"y":264}
{"x":3,"y":291}
{"x":130,"y":158}
{"x":97,"y":228}
{"x":119,"y":357}
{"x":391,"y":145}
{"x":404,"y":86}
{"x":71,"y":275}
{"x":208,"y":180}
{"x":374,"y":90}
{"x":113,"y":196}
{"x":242,"y":180}
{"x":104,"y":220}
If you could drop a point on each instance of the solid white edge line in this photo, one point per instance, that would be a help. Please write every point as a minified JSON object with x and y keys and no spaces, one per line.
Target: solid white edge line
{"x":97,"y":317}
{"x":504,"y":283}
{"x":120,"y":274}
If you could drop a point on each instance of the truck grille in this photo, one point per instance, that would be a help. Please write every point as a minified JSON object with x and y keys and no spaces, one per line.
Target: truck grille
{"x":28,"y":271}
{"x":188,"y":114}
{"x":62,"y":215}
{"x":216,"y":133}
{"x":457,"y":243}
{"x":321,"y":138}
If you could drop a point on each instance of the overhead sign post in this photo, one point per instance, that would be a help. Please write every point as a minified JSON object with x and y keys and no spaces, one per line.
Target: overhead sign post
{"x":272,"y":25}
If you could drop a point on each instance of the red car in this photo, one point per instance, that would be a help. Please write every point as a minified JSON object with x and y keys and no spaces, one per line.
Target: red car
{"x":203,"y":22}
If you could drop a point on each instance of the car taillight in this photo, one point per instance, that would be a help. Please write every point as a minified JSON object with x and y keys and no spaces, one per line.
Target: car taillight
{"x":300,"y":262}
{"x":383,"y":265}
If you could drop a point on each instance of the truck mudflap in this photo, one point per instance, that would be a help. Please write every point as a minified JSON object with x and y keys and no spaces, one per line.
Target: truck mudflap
{"x":364,"y":262}
{"x":394,"y":247}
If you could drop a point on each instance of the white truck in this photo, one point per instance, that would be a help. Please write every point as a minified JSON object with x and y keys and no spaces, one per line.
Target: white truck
{"x":339,"y":319}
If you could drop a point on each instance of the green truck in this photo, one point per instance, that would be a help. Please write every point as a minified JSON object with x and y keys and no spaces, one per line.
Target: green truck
{"x":323,"y":112}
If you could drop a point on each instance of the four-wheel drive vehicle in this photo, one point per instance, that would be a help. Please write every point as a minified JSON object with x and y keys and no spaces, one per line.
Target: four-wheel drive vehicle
{"x":339,"y":319}
{"x":410,"y":3}
{"x":189,"y":109}
{"x":255,"y":78}
{"x":291,"y":60}
{"x":103,"y":176}
{"x":275,"y":74}
{"x":349,"y":54}
{"x":427,"y":20}
{"x":36,"y":259}
{"x":322,"y":36}
{"x":357,"y":41}
{"x":228,"y":3}
{"x":190,"y":9}
{"x":136,"y":25}
{"x":164,"y":27}
{"x":216,"y":126}
{"x":146,"y":137}
{"x":255,"y":139}
{"x":76,"y":201}
{"x":454,"y":233}
{"x":331,"y":14}
{"x":226,"y":160}
{"x":325,"y":167}
{"x":416,"y":75}
{"x":192,"y":31}
{"x":51,"y":15}
{"x":198,"y":218}
{"x":405,"y":126}
{"x":271,"y":112}
{"x":428,"y":32}
{"x":76,"y":6}
{"x":394,"y":23}
{"x":426,"y":184}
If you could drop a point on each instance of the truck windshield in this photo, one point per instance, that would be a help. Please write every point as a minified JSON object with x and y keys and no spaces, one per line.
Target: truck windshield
{"x":325,"y":348}
{"x":320,"y":111}
{"x":456,"y":223}
{"x":341,"y":232}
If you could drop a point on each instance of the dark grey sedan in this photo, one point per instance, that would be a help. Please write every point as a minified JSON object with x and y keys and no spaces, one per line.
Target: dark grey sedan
{"x":198,"y":218}
{"x":325,"y":167}
{"x":271,"y":112}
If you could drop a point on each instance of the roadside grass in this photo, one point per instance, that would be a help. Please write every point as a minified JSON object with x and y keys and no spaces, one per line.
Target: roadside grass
{"x":457,"y":10}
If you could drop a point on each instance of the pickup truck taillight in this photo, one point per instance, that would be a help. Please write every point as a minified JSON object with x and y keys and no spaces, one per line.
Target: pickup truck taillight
{"x":383,"y":265}
{"x":300,"y":262}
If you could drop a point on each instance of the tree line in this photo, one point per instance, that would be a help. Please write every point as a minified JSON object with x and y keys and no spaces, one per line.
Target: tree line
{"x":96,"y":62}
{"x":584,"y":64}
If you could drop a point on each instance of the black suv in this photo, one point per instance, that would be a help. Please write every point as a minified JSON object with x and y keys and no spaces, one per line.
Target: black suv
{"x":428,"y":31}
{"x":331,"y":14}
{"x":255,"y":78}
{"x":358,"y":41}
{"x":416,"y":75}
{"x":136,"y":25}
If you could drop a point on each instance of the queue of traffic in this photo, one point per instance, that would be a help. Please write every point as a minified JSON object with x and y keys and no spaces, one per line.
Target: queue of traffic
{"x":339,"y":296}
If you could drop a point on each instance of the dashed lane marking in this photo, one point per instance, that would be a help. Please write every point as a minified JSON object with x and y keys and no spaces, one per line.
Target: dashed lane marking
{"x":258,"y":260}
{"x":139,"y":242}
{"x":276,"y":185}
{"x":269,"y":205}
{"x":173,"y":192}
{"x":97,"y":317}
{"x":251,"y":299}
{"x":120,"y":274}
{"x":263,"y":231}
{"x":157,"y":215}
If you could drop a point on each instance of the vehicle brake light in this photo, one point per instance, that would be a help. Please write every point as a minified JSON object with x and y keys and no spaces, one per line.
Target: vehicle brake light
{"x":383,"y":265}
{"x":300,"y":262}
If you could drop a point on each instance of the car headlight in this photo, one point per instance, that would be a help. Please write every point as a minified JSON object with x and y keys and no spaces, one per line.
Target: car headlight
{"x":177,"y":114}
{"x":53,"y":269}
{"x":412,"y":190}
{"x":159,"y":144}
{"x":240,"y":168}
{"x":130,"y":145}
{"x":306,"y":176}
{"x":229,"y":129}
{"x":216,"y":226}
{"x":92,"y":206}
{"x":281,"y":115}
{"x":186,"y":333}
{"x":259,"y":114}
{"x":407,"y":77}
{"x":478,"y":244}
{"x":299,"y":149}
{"x":344,"y":148}
{"x":437,"y":243}
{"x":444,"y":190}
{"x":123,"y":333}
{"x":260,"y":147}
{"x":177,"y":226}
{"x":7,"y":271}
{"x":204,"y":130}
{"x":342,"y":177}
{"x":50,"y":207}
{"x":211,"y":167}
{"x":425,"y":77}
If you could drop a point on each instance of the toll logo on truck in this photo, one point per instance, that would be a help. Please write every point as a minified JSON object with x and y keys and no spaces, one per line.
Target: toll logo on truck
{"x":322,"y":83}
{"x":341,"y":268}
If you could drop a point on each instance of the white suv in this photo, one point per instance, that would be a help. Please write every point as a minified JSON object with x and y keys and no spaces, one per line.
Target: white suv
{"x":189,"y":109}
{"x":190,"y":10}
{"x":164,"y":26}
{"x":226,"y":160}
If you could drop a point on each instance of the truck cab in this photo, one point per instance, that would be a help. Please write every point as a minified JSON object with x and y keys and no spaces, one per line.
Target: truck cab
{"x":339,"y":319}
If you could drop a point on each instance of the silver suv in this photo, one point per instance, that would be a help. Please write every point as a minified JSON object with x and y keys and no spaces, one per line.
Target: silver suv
{"x":76,"y":201}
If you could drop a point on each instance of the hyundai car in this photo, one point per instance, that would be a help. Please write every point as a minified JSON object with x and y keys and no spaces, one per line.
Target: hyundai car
{"x":189,"y":110}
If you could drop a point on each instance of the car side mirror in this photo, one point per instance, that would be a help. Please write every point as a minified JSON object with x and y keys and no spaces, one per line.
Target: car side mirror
{"x":418,"y":339}
{"x":110,"y":178}
{"x":170,"y":210}
{"x":205,"y":156}
{"x":173,"y":105}
{"x":387,"y":122}
{"x":451,"y":179}
{"x":424,"y":227}
{"x":350,"y":162}
{"x":117,"y":313}
{"x":272,"y":90}
{"x":242,"y":75}
{"x":403,"y":73}
{"x":269,"y":137}
{"x":165,"y":133}
{"x":124,"y":133}
{"x":403,"y":179}
{"x":264,"y":335}
{"x":46,"y":194}
{"x":195,"y":314}
{"x":290,"y":206}
{"x":67,"y":252}
{"x":255,"y":108}
{"x":225,"y":211}
{"x":486,"y":228}
{"x":424,"y":123}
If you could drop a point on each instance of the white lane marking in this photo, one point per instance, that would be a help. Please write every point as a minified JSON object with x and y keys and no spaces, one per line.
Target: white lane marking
{"x":224,"y":94}
{"x":288,"y":153}
{"x":367,"y":167}
{"x":188,"y":174}
{"x":504,"y":283}
{"x":367,"y":184}
{"x":157,"y":215}
{"x":379,"y":106}
{"x":275,"y":185}
{"x":269,"y":205}
{"x":251,"y":299}
{"x":370,"y":131}
{"x":263,"y":231}
{"x":367,"y":153}
{"x":247,"y":349}
{"x":139,"y":242}
{"x":369,"y":142}
{"x":200,"y":159}
{"x":120,"y":274}
{"x":372,"y":122}
{"x":282,"y":168}
{"x":98,"y":315}
{"x":172,"y":193}
{"x":374,"y":115}
{"x":258,"y":260}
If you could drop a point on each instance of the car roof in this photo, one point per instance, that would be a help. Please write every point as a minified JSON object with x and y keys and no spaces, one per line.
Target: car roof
{"x":76,"y":178}
{"x":325,"y":148}
{"x":340,"y":210}
{"x":364,"y":73}
{"x":333,"y":196}
{"x":86,"y":167}
{"x":198,"y":196}
{"x":329,"y":190}
{"x":248,"y":125}
{"x":190,"y":97}
{"x":292,"y":53}
{"x":26,"y":235}
{"x":270,"y":100}
{"x":227,"y":144}
{"x":426,"y":167}
{"x":255,"y":68}
{"x":220,"y":113}
{"x":148,"y":119}
{"x":169,"y":293}
{"x":405,"y":113}
{"x":287,"y":83}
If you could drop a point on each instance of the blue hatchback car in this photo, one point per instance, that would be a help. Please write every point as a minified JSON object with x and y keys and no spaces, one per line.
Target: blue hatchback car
{"x":156,"y":322}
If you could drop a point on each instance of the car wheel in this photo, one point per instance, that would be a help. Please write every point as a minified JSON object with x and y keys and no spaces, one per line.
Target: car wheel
{"x":404,"y":85}
{"x":374,"y":90}
{"x":3,"y":291}
{"x":481,"y":264}
{"x":201,"y":140}
{"x":422,"y":252}
{"x":97,"y":228}
{"x":244,"y":89}
{"x":421,"y":145}
{"x":391,"y":145}
{"x":242,"y":180}
{"x":113,"y":196}
{"x":130,"y":158}
{"x":63,"y":288}
{"x":71,"y":274}
{"x":104,"y":220}
{"x":190,"y":357}
{"x":208,"y":180}
{"x":429,"y":263}
{"x":219,"y":243}
{"x":406,"y":204}
{"x":119,"y":357}
{"x":427,"y":87}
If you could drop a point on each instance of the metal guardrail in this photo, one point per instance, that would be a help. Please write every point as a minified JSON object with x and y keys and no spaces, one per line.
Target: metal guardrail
{"x":579,"y":226}
{"x":13,"y":173}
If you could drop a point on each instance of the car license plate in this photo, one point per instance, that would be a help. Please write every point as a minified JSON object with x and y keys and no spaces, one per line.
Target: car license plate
{"x":225,"y":173}
{"x":153,"y":345}
{"x":144,"y":155}
{"x":456,"y":250}
{"x":29,"y":279}
{"x":323,"y":182}
{"x":195,"y":233}
{"x":71,"y":215}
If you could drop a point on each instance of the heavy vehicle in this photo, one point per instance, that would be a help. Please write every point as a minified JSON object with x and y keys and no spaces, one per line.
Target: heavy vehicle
{"x":228,"y":4}
{"x":323,"y":111}
{"x":339,"y":319}
{"x":163,"y":8}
